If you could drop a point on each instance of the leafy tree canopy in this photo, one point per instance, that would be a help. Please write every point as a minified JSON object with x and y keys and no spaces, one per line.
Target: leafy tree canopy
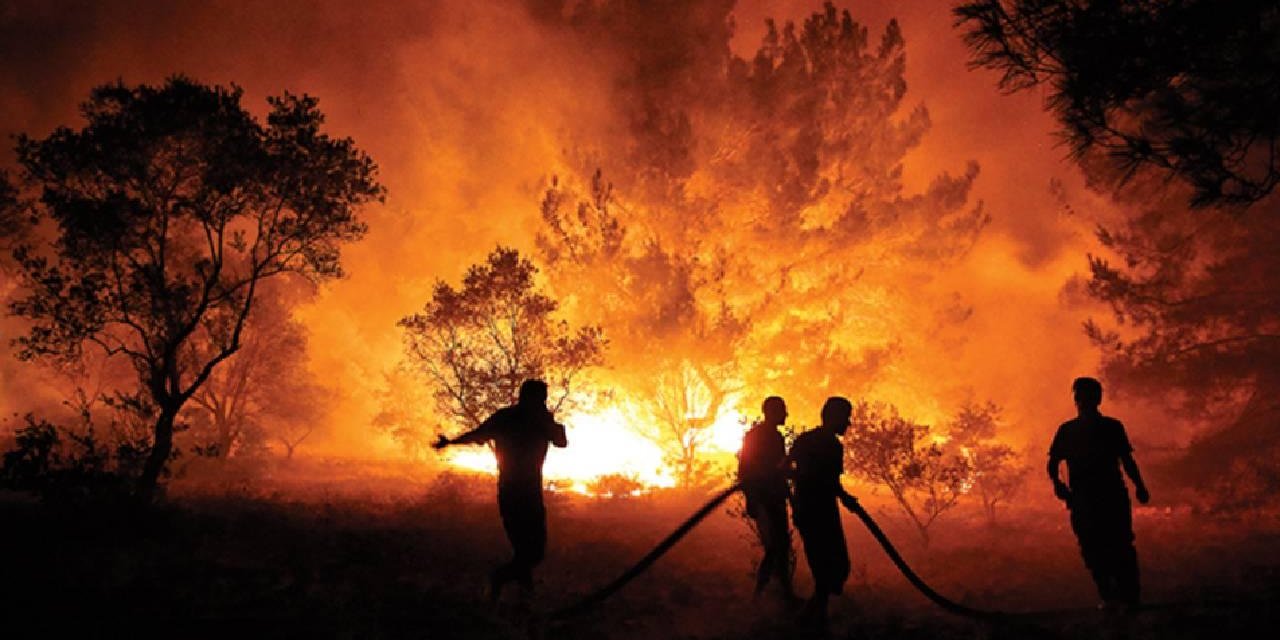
{"x":167,"y":208}
{"x":1182,"y":88}
{"x":476,"y":344}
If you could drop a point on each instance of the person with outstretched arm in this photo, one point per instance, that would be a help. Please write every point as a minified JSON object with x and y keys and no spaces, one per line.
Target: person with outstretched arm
{"x":520,"y":435}
{"x":818,"y":459}
{"x":1095,"y":448}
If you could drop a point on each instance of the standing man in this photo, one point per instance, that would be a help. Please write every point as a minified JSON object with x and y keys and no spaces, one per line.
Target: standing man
{"x":818,"y":456}
{"x":1095,"y":447}
{"x":762,"y":472}
{"x":520,"y":434}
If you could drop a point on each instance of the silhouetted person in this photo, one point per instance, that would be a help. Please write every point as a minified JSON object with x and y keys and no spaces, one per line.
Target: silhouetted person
{"x":1095,"y":447}
{"x":520,"y":434}
{"x":818,"y":457}
{"x":762,"y":472}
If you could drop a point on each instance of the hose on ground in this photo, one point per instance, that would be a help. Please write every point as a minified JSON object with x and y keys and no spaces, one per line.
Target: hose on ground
{"x":596,"y":597}
{"x":942,"y":601}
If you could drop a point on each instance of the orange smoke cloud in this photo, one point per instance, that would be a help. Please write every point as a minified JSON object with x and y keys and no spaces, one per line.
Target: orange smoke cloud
{"x":470,"y":107}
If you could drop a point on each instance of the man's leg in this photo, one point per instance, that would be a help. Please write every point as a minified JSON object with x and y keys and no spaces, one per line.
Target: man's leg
{"x":1128,"y":587}
{"x":1094,"y":549}
{"x":815,"y":607}
{"x":527,"y":530}
{"x":1116,"y":558}
{"x":828,"y":558}
{"x":524,"y":520}
{"x":507,"y":571}
{"x":760,"y":518}
{"x":780,"y":541}
{"x":534,"y":546}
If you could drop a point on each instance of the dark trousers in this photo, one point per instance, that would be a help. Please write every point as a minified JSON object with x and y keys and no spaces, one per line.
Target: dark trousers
{"x":1104,"y":528}
{"x":525,"y":520}
{"x":824,"y":546}
{"x":770,"y":515}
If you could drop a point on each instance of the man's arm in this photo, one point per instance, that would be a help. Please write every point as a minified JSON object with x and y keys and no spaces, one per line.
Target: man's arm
{"x":558,"y":437}
{"x":837,"y":464}
{"x":1060,"y":488}
{"x":845,"y":497}
{"x":479,"y":435}
{"x":1131,"y":467}
{"x":1125,"y":450}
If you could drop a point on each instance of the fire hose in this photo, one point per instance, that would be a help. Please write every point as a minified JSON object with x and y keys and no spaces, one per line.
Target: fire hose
{"x":599,"y":595}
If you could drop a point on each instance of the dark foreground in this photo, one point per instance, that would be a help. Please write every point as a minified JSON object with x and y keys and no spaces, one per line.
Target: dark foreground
{"x":392,"y":557}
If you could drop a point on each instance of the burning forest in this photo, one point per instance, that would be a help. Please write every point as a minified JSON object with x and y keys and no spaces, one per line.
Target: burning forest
{"x":315,"y":313}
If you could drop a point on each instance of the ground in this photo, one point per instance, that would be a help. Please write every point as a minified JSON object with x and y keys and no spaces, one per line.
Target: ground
{"x":341,"y":550}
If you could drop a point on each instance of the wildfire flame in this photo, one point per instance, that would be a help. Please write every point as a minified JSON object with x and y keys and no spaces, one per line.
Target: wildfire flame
{"x":602,"y":442}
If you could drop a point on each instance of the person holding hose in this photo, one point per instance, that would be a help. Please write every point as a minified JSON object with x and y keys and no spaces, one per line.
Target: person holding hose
{"x":818,"y":459}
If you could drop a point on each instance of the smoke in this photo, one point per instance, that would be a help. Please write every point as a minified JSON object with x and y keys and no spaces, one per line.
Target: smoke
{"x":469,"y":108}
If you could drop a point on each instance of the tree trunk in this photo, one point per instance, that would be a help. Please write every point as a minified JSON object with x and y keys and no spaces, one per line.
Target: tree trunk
{"x":224,"y":436}
{"x":924,"y":533}
{"x":159,"y":456}
{"x":921,"y":526}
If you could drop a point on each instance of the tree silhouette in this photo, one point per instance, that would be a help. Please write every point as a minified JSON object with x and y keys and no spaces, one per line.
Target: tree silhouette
{"x":172,"y":204}
{"x":16,"y":220}
{"x":477,"y":344}
{"x":10,"y":218}
{"x":262,"y":393}
{"x":1183,"y":88}
{"x":926,"y":476}
{"x":1194,"y":299}
{"x":1145,"y":92}
{"x":996,"y":470}
{"x":405,"y":412}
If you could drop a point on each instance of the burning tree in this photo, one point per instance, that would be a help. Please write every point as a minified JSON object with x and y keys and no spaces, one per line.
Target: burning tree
{"x":685,"y":384}
{"x":683,"y":401}
{"x":172,"y":205}
{"x":926,"y":475}
{"x":476,"y":344}
{"x":997,"y":471}
{"x":757,"y":225}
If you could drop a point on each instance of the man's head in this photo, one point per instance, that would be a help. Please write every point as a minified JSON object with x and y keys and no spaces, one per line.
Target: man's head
{"x":774,"y":410}
{"x":835,"y":414}
{"x":533,"y":393}
{"x":1088,"y":393}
